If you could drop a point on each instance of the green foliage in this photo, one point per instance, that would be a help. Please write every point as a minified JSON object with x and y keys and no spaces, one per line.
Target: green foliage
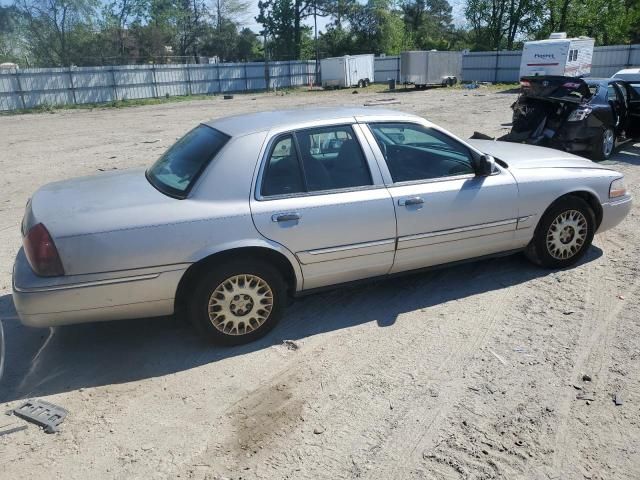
{"x":94,"y":32}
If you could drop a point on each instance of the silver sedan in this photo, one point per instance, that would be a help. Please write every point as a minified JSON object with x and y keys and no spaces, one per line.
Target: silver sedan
{"x":244,"y":212}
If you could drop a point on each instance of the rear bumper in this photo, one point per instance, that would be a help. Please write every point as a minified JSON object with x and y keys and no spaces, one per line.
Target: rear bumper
{"x":614,"y":212}
{"x":47,"y":302}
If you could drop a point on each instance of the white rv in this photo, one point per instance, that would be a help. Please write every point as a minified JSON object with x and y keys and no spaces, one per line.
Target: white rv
{"x":347,"y":71}
{"x":558,"y":55}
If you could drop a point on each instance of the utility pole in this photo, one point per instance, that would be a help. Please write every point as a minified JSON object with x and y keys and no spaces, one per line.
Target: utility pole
{"x":315,"y":26}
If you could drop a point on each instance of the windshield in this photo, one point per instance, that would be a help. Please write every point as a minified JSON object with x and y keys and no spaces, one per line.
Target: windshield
{"x":175,"y":172}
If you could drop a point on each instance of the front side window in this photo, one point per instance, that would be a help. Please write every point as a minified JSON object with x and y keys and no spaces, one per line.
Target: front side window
{"x":313,"y":160}
{"x":175,"y":172}
{"x":414,"y":152}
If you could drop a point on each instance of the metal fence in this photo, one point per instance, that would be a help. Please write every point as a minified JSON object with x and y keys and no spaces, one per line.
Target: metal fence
{"x":33,"y":87}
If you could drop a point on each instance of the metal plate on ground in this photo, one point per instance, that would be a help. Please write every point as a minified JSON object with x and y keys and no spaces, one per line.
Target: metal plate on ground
{"x":42,"y":413}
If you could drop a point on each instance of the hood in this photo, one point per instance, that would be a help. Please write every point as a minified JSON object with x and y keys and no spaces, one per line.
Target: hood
{"x":103,"y":202}
{"x":519,"y":155}
{"x":555,"y":88}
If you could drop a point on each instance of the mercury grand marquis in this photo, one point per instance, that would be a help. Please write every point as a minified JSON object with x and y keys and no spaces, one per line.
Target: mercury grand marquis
{"x":244,"y":212}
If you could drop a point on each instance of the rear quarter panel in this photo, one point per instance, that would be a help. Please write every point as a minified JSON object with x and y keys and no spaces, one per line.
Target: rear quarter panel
{"x":216,"y":213}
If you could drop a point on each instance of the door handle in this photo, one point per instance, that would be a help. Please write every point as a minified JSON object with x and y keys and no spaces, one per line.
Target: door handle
{"x":285,"y":217}
{"x":407,"y":202}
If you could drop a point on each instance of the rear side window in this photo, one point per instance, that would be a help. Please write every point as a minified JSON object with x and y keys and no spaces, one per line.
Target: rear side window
{"x":283,"y":175}
{"x":175,"y":172}
{"x":413,"y":152}
{"x":314,"y":160}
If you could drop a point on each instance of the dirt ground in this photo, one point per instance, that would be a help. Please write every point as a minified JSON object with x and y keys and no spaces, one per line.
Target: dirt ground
{"x":469,"y":372}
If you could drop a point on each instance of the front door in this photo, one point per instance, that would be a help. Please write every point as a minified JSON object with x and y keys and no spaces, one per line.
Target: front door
{"x":445,"y":212}
{"x":318,"y":195}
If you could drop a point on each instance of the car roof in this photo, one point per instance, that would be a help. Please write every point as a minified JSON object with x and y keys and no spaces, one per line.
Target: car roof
{"x":239,"y":125}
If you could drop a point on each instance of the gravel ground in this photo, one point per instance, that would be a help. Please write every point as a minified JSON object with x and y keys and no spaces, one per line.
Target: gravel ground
{"x":469,"y":372}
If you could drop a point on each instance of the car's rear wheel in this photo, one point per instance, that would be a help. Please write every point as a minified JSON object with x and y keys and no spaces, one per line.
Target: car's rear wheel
{"x":240,"y":301}
{"x":563,"y":234}
{"x":604,"y":144}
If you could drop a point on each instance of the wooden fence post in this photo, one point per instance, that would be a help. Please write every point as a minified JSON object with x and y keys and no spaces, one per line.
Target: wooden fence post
{"x":73,"y":88}
{"x":20,"y":91}
{"x":155,"y":83}
{"x":114,"y":84}
{"x":188,"y":80}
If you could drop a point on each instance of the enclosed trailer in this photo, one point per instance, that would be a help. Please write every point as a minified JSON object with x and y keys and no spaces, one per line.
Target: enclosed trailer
{"x":347,"y":71}
{"x":558,"y":55}
{"x":426,"y":68}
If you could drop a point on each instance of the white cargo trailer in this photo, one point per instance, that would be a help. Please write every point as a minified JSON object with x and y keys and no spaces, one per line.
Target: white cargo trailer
{"x":558,"y":55}
{"x":428,"y":68}
{"x":347,"y":71}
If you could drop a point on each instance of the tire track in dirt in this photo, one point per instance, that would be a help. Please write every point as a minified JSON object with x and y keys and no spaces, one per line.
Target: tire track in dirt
{"x":596,"y":332}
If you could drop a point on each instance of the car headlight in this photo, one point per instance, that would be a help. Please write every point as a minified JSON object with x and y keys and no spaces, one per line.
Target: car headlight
{"x":579,"y":114}
{"x":617,"y":188}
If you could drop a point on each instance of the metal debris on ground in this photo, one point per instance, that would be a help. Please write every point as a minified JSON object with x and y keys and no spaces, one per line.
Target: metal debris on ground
{"x":502,"y":360}
{"x":45,"y":414}
{"x":373,"y":104}
{"x":291,"y":345}
{"x":617,"y":399}
{"x":228,"y":97}
{"x":12,"y":430}
{"x":590,"y":397}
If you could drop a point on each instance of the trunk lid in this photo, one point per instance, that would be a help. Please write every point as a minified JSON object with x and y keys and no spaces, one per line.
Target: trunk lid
{"x":555,"y":89}
{"x":104,"y":202}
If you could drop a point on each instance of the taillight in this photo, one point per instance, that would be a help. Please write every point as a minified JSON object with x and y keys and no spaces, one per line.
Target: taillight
{"x":525,"y":83}
{"x":41,"y":252}
{"x":579,"y":114}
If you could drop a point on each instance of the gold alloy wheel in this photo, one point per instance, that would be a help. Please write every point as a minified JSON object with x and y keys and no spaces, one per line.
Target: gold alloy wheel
{"x":567,"y":234}
{"x":240,"y":304}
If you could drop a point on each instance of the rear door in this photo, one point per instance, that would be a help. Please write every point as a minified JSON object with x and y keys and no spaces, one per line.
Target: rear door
{"x":444,"y":211}
{"x":632,"y":124}
{"x":320,"y":193}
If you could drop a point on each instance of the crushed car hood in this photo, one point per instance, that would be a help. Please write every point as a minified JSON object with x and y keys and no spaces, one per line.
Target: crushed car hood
{"x":519,"y":155}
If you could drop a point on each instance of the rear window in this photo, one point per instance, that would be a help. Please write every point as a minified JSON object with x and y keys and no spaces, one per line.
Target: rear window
{"x":175,"y":172}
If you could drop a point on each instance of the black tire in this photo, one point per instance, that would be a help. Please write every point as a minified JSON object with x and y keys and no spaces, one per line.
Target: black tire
{"x":198,"y":306}
{"x":538,"y":250}
{"x":598,"y":150}
{"x":360,"y":83}
{"x":367,"y":82}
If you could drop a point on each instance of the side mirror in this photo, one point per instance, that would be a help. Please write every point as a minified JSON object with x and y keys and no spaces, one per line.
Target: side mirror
{"x":486,"y":166}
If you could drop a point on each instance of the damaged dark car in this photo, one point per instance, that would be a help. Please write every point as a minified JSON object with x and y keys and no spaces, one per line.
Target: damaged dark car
{"x":589,"y":117}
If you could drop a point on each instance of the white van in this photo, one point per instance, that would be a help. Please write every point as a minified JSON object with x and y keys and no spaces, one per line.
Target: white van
{"x":558,"y":55}
{"x":631,"y":75}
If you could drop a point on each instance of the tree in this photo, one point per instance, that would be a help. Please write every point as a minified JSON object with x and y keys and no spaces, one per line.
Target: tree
{"x":57,"y":28}
{"x":497,"y":23}
{"x":429,"y":23}
{"x":282,"y":22}
{"x":12,"y":41}
{"x":378,"y":27}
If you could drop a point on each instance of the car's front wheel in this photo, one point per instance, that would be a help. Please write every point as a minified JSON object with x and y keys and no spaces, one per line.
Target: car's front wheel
{"x":240,"y":301}
{"x":563,"y":235}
